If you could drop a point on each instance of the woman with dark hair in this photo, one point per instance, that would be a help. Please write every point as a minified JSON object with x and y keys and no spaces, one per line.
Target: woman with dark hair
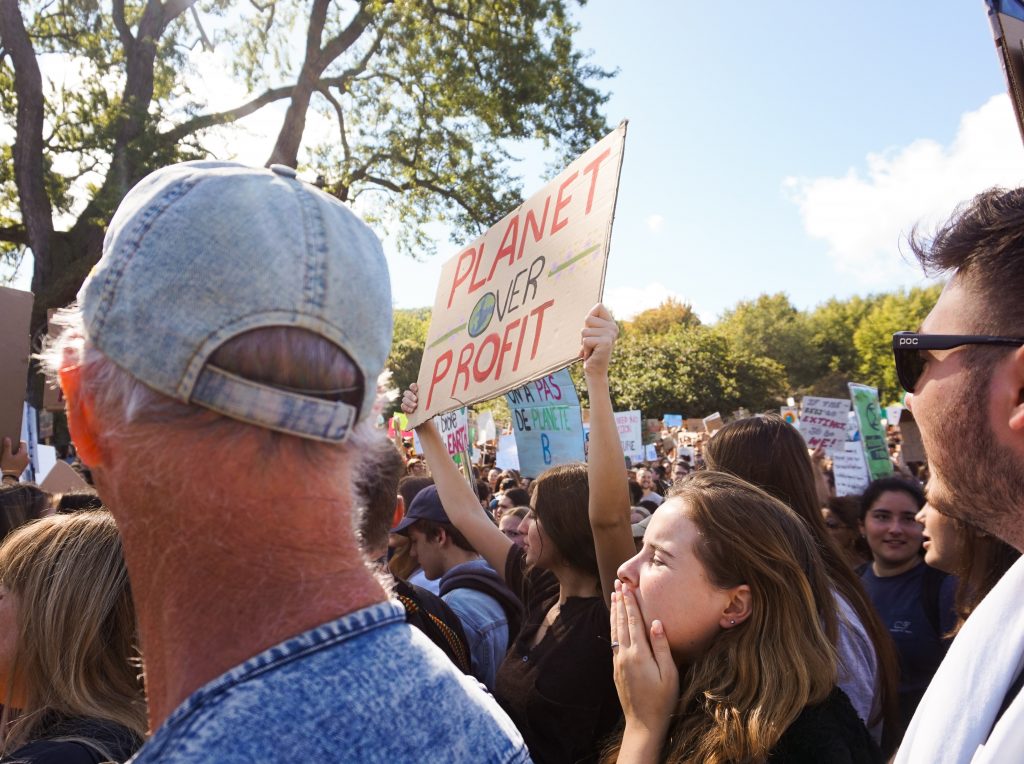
{"x":842,"y":520}
{"x":769,"y":453}
{"x":69,"y":675}
{"x":977,"y":559}
{"x":720,"y":650}
{"x":914,"y":600}
{"x":556,"y":681}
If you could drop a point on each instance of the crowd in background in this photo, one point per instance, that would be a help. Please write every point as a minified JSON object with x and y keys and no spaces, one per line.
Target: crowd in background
{"x":320,"y":595}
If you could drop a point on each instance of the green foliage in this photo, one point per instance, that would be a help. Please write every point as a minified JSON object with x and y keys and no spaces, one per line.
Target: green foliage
{"x":873,"y":339}
{"x":771,"y":327}
{"x":429,"y":100}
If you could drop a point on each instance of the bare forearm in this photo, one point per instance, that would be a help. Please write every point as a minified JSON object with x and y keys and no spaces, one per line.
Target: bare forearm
{"x":640,"y":745}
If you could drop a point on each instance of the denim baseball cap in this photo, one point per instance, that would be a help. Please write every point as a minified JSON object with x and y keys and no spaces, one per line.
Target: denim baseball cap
{"x":201,"y":252}
{"x":426,"y":505}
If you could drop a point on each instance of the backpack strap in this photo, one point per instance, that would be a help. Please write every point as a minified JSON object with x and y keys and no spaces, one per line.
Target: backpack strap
{"x":442,"y":627}
{"x":487,"y":582}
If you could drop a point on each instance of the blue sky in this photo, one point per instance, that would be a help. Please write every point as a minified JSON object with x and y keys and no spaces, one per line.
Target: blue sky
{"x":772,"y":147}
{"x":785,"y":146}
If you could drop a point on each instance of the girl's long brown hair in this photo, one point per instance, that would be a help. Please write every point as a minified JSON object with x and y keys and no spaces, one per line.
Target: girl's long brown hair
{"x":755,"y":679}
{"x":771,"y":454}
{"x":75,"y":654}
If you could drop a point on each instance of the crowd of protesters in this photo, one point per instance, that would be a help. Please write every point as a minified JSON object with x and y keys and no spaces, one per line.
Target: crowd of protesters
{"x":303,"y":590}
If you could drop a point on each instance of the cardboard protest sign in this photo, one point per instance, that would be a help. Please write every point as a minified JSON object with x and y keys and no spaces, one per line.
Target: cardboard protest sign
{"x":507,"y":456}
{"x":63,"y":479}
{"x":695,"y":425}
{"x":509,"y":306}
{"x":912,"y":446}
{"x":47,"y":456}
{"x":485,"y":429}
{"x":872,"y":434}
{"x":713,"y":422}
{"x":823,"y":421}
{"x":630,"y":435}
{"x":454,"y":429}
{"x":849,"y":469}
{"x":15,"y":347}
{"x":789,"y":414}
{"x":893,"y":414}
{"x":547,"y":423}
{"x":672,"y":420}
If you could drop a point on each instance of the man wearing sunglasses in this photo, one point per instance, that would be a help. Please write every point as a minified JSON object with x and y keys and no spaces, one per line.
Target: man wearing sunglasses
{"x":965,"y":370}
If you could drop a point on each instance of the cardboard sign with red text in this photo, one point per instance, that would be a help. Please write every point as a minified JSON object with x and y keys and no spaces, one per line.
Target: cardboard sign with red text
{"x":15,"y":347}
{"x":510,"y":306}
{"x":454,"y":429}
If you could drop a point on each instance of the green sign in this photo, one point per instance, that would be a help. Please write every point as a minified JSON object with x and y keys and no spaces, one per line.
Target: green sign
{"x":872,"y":434}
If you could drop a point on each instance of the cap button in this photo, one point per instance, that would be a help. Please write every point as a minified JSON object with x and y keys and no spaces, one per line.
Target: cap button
{"x":283,"y":169}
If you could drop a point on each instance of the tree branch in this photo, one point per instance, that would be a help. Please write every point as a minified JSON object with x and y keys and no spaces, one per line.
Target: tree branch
{"x":338,"y":45}
{"x":14,"y":235}
{"x":124,"y":32}
{"x":205,"y":121}
{"x":29,"y":167}
{"x":326,"y":93}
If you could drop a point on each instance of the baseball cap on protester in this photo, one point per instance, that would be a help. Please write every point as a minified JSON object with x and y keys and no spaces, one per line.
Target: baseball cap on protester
{"x":201,"y":252}
{"x":426,"y":505}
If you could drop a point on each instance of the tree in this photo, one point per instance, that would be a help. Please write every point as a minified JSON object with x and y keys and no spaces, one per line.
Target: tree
{"x":771,"y":327}
{"x":664,"y":318}
{"x":427,"y":96}
{"x":873,"y":339}
{"x":831,"y":327}
{"x":407,"y":344}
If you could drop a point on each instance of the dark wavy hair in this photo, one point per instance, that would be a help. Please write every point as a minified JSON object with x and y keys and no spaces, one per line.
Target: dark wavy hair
{"x":560,"y":502}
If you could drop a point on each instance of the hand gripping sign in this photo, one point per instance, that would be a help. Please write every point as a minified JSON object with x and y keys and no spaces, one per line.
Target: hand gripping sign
{"x":509,"y":306}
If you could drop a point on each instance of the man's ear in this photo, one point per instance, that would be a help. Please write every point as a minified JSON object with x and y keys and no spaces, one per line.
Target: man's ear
{"x":738,"y":609}
{"x":80,"y":417}
{"x":1016,"y":390}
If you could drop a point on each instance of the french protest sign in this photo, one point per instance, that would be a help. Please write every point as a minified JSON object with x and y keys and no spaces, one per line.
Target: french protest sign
{"x":850,"y":471}
{"x":509,"y":306}
{"x":454,"y":429}
{"x":872,"y":434}
{"x":15,"y":346}
{"x":547,"y":423}
{"x":630,"y":434}
{"x":823,"y":421}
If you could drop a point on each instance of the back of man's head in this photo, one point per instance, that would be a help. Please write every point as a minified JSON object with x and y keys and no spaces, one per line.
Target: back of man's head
{"x":233,"y":308}
{"x":982,"y":246}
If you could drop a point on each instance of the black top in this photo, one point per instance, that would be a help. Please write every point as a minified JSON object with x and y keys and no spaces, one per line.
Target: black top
{"x":560,"y":693}
{"x":829,"y":732}
{"x":53,"y":747}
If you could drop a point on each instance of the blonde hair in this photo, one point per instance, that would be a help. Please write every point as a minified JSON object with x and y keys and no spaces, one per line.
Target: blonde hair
{"x":75,"y":653}
{"x":740,"y":697}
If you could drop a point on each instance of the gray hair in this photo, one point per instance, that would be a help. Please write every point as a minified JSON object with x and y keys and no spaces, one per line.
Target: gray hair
{"x":127,"y":409}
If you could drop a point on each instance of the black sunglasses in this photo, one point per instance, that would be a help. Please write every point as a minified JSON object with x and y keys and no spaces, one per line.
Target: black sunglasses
{"x":906,"y":347}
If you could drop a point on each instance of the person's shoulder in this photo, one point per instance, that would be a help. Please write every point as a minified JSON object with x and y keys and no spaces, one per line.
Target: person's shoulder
{"x":827,"y":731}
{"x":53,"y":752}
{"x":313,"y":703}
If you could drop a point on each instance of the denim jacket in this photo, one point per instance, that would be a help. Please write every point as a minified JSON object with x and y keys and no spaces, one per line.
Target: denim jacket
{"x":364,"y":688}
{"x":484,"y":621}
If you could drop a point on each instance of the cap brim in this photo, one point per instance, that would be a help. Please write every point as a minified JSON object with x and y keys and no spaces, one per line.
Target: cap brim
{"x":404,"y":525}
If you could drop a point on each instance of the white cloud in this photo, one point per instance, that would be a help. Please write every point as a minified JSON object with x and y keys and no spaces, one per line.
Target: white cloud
{"x":625,"y":302}
{"x":864,"y":216}
{"x":655,"y":223}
